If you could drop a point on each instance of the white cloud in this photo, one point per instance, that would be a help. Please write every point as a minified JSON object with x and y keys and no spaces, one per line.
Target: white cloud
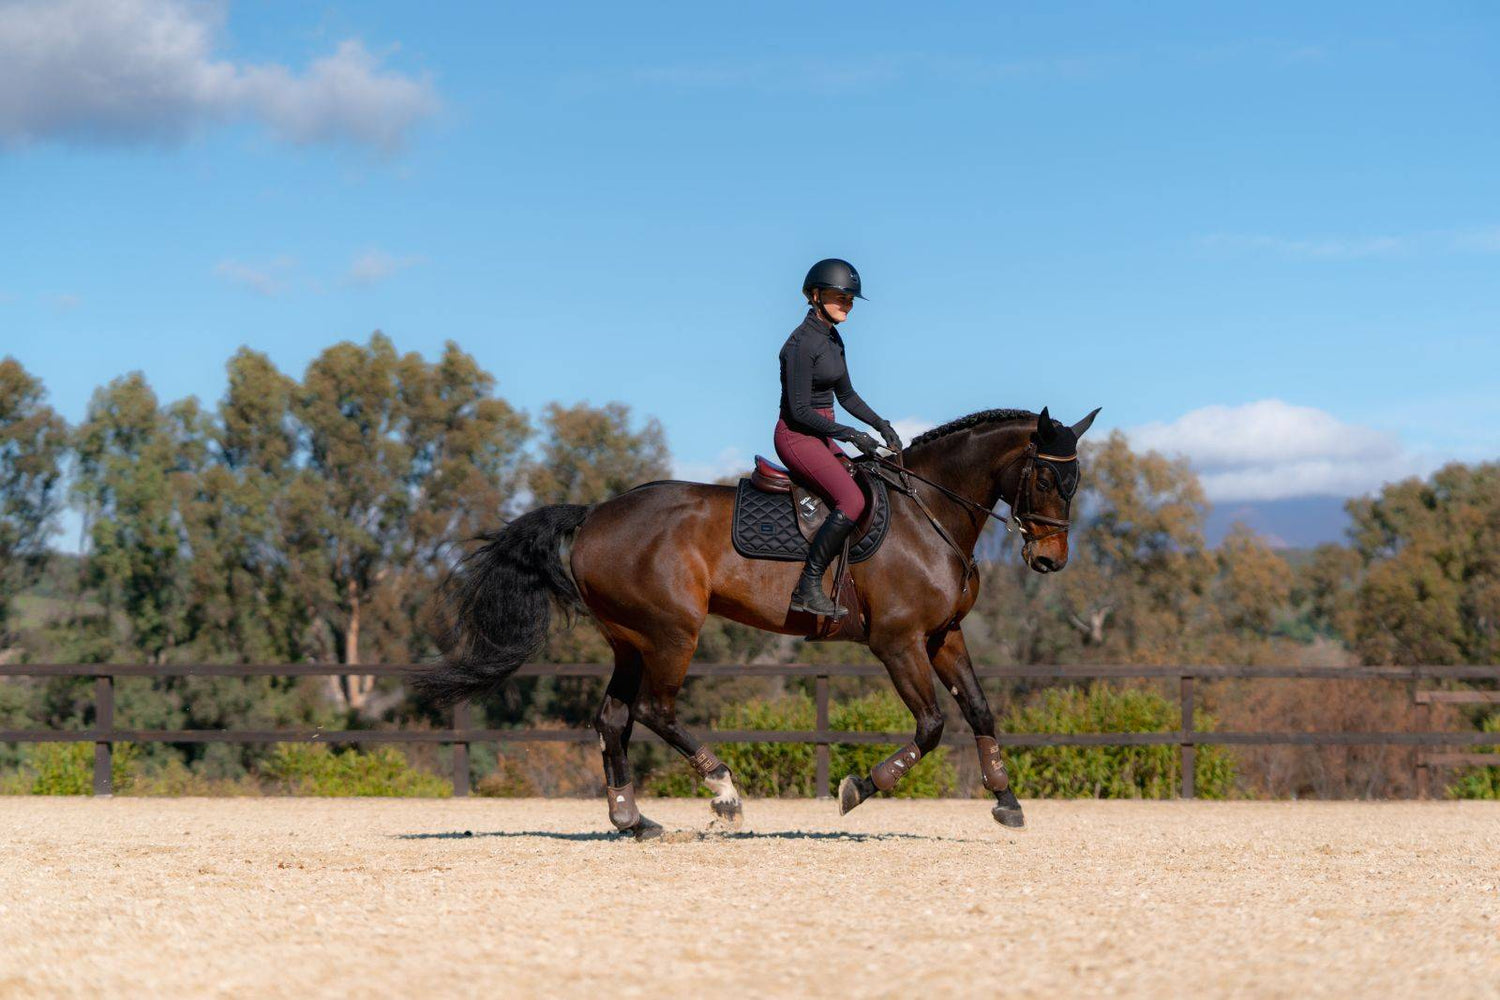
{"x":728,"y":462}
{"x":1272,"y":450}
{"x":269,"y":279}
{"x":65,"y":301}
{"x":1482,"y":240}
{"x":910,"y":427}
{"x":123,"y":71}
{"x":374,"y":266}
{"x":1331,"y":248}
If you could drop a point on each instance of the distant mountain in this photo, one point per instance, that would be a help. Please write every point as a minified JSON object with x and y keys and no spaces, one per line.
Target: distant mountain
{"x":1298,"y":523}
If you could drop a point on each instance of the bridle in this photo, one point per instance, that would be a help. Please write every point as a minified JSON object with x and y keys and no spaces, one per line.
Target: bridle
{"x":1022,"y":511}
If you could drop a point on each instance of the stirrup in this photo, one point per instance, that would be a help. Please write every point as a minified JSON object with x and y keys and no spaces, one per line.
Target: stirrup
{"x":830,"y":608}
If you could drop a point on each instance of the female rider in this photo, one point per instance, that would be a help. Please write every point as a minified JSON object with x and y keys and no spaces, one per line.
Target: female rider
{"x":813,"y":372}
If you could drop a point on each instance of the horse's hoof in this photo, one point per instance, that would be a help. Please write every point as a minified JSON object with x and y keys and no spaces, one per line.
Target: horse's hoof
{"x":645,"y":829}
{"x":852,"y":792}
{"x":1011,"y":818}
{"x":730,"y":812}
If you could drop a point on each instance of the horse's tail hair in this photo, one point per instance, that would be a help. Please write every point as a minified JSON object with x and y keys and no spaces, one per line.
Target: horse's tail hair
{"x":495,"y":608}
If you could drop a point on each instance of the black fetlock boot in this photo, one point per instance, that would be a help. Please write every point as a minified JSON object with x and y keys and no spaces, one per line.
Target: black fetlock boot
{"x":825,"y":545}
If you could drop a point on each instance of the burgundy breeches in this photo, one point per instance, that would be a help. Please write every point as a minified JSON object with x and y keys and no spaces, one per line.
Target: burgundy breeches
{"x":813,"y":461}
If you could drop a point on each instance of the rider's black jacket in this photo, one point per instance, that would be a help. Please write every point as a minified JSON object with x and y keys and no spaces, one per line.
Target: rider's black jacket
{"x":812,"y":373}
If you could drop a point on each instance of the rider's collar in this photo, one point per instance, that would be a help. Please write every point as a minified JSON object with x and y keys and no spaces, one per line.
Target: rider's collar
{"x":816,"y":315}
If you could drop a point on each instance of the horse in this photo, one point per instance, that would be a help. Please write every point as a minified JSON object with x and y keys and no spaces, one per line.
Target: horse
{"x":649,"y":565}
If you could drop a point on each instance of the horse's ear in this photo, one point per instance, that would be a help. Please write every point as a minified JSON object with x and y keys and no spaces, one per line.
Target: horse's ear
{"x":1044,"y":429}
{"x":1083,"y":425}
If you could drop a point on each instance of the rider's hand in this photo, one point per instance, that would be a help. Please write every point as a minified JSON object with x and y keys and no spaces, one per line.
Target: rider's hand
{"x":892,"y":439}
{"x":864,"y":442}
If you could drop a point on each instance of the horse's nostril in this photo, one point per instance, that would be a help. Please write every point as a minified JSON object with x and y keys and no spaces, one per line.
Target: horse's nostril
{"x":1045,"y":564}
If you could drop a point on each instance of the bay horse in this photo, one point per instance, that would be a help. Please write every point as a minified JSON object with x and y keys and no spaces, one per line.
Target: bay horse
{"x":649,"y":565}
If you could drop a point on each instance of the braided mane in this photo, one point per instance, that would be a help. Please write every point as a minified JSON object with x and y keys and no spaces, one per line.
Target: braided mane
{"x":972,"y":420}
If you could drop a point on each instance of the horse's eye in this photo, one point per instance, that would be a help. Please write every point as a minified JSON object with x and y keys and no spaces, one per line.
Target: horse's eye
{"x":1043,"y":485}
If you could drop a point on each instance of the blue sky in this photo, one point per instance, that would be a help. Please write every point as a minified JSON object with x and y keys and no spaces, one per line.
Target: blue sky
{"x":1266,"y":235}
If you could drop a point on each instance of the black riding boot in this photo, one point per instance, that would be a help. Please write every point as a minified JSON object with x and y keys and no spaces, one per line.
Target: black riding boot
{"x":825,"y":545}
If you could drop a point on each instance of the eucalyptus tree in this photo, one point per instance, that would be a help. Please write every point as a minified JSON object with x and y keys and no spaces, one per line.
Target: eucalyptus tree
{"x":589,"y":454}
{"x":33,"y":443}
{"x":240,"y":604}
{"x":399,"y":457}
{"x":128,"y":450}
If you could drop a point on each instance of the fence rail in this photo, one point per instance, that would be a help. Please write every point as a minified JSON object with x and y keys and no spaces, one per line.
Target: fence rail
{"x":104,"y":734}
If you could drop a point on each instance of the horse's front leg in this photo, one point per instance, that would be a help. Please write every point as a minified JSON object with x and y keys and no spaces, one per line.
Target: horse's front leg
{"x":950,"y":660}
{"x":906,"y":661}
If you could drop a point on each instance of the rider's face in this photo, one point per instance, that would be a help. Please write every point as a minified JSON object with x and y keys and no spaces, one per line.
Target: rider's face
{"x":835,"y":303}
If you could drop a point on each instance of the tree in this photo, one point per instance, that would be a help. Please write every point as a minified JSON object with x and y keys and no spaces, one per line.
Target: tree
{"x":33,"y":439}
{"x":1252,"y":590}
{"x":1328,"y":588}
{"x":591,"y":453}
{"x":240,"y":604}
{"x":128,"y":449}
{"x":1431,"y":552}
{"x":401,"y":456}
{"x":1139,"y":566}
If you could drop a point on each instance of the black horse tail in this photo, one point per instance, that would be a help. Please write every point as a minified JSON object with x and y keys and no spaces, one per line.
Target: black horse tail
{"x":496,"y":606}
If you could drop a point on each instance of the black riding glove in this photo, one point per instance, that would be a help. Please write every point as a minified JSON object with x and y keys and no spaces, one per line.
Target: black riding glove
{"x":892,"y":439}
{"x":864,"y":442}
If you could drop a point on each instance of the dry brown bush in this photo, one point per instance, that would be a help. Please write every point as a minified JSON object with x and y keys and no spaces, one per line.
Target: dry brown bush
{"x":551,"y":770}
{"x":1304,"y":706}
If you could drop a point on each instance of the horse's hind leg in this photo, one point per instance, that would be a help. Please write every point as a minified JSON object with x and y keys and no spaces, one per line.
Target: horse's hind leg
{"x":613,"y":724}
{"x":910,"y":671}
{"x":657,"y":710}
{"x":950,"y":660}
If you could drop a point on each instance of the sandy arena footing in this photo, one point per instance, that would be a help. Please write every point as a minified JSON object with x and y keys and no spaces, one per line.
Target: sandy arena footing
{"x":496,"y":897}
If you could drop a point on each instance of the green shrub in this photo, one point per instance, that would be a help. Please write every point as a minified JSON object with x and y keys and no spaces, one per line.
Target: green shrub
{"x":1480,"y":782}
{"x":314,"y":769}
{"x":174,"y":779}
{"x":884,"y":712}
{"x":789,"y":769}
{"x":1109,"y":772}
{"x":67,"y":769}
{"x":764,"y":770}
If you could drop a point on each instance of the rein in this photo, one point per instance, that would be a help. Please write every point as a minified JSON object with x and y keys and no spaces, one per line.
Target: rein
{"x":1020,"y":511}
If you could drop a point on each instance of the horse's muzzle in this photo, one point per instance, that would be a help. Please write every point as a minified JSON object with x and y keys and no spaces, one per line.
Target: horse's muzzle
{"x":1046,"y":564}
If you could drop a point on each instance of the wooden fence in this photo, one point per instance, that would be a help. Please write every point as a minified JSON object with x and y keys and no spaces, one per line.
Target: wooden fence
{"x":104,"y":733}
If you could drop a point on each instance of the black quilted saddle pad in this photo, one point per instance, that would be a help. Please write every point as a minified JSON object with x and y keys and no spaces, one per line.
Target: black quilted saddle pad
{"x":765,"y":526}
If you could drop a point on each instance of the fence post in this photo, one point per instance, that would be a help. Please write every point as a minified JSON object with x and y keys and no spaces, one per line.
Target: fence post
{"x":1424,"y":724}
{"x":104,"y":721}
{"x":1189,"y":735}
{"x":820,"y":698}
{"x":461,"y":751}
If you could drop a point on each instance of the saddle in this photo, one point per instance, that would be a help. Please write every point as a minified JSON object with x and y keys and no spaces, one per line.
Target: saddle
{"x":775,"y":518}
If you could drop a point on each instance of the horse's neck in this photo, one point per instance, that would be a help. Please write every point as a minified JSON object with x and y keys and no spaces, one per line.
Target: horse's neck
{"x":970,"y":464}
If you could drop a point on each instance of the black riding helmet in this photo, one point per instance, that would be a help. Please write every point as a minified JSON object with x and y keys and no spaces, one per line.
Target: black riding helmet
{"x":839,"y":275}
